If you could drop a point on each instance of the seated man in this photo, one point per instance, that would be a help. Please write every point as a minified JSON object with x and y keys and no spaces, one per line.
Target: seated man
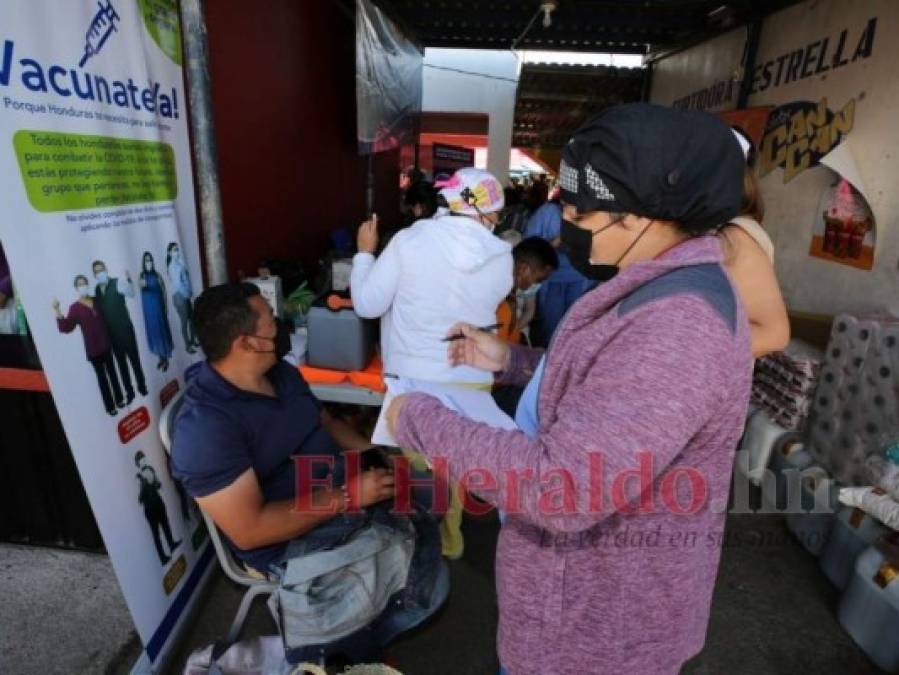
{"x":246,"y":415}
{"x":534,"y":260}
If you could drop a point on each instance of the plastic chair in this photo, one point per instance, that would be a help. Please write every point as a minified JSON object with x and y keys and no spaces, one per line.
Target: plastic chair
{"x":232,"y":568}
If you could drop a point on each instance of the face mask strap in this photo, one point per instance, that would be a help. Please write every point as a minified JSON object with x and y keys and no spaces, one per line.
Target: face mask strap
{"x":606,"y":227}
{"x":635,"y":242}
{"x":482,"y":216}
{"x":273,"y":340}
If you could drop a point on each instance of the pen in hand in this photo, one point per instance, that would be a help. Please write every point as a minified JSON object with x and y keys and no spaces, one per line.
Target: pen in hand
{"x":459,"y":336}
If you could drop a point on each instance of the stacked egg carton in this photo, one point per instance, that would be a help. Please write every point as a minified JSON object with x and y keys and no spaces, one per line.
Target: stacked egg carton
{"x":854,"y":416}
{"x":783,"y":384}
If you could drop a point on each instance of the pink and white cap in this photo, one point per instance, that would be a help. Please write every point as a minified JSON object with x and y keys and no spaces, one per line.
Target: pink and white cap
{"x":471,"y":191}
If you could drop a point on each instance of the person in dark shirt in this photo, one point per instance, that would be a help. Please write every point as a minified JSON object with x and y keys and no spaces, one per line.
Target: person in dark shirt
{"x":245,"y":415}
{"x":110,"y":294}
{"x":157,"y":516}
{"x":97,"y":346}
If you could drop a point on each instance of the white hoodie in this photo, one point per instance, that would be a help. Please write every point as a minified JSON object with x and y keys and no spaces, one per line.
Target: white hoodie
{"x":436,"y":273}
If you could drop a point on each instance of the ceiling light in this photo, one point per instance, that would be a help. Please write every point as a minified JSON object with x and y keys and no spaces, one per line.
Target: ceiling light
{"x":548,"y":8}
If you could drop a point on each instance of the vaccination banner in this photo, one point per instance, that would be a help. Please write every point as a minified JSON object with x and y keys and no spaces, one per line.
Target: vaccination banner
{"x":99,"y":227}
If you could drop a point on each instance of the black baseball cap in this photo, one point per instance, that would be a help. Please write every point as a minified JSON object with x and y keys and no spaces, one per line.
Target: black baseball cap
{"x":655,"y":162}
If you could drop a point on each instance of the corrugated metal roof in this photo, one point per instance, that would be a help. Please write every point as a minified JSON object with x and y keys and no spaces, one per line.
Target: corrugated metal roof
{"x":554,"y":100}
{"x":622,"y":26}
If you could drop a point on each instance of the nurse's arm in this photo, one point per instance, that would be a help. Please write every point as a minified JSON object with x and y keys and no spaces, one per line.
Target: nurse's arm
{"x":374,"y":282}
{"x":645,"y":396}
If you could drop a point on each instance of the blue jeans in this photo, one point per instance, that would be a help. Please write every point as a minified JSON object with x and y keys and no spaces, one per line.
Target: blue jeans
{"x":427,"y":585}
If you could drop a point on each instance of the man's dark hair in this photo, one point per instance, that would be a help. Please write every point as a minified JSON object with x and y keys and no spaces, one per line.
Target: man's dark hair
{"x":537,"y":252}
{"x":422,"y":193}
{"x":513,"y":197}
{"x":415,"y":175}
{"x":221,"y":313}
{"x":97,"y":262}
{"x":537,"y":196}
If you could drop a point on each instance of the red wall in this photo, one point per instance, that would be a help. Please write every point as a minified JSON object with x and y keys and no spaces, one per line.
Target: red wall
{"x":283,"y":89}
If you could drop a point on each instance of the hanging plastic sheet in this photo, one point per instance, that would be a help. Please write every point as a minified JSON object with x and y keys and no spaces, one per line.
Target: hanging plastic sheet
{"x":388,"y":82}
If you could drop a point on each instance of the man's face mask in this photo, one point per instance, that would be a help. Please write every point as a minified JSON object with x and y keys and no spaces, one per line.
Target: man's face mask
{"x":281,"y":341}
{"x":102,"y":277}
{"x":529,"y":292}
{"x":578,"y":244}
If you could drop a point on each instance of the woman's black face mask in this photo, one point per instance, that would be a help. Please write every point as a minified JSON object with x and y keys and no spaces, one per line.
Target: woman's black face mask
{"x":578,"y":244}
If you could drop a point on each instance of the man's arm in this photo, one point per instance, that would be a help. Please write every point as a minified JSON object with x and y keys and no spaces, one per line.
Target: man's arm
{"x":66,"y":324}
{"x":242,"y":513}
{"x":347,"y":437}
{"x":127,"y":288}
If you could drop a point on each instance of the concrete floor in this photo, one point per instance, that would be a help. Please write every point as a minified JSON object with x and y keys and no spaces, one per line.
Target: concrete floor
{"x":773,"y":613}
{"x":61,"y":612}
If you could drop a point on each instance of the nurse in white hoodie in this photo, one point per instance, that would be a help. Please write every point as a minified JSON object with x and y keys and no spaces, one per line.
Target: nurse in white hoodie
{"x":432,"y":275}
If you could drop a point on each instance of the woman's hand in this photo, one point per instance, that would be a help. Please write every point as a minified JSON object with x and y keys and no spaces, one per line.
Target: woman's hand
{"x":56,"y":309}
{"x":478,"y":349}
{"x":376,"y":486}
{"x":367,"y":237}
{"x":393,"y":412}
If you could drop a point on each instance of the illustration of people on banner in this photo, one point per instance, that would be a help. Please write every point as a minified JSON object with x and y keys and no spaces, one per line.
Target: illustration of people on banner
{"x":150,"y":497}
{"x":101,"y":312}
{"x":84,"y":313}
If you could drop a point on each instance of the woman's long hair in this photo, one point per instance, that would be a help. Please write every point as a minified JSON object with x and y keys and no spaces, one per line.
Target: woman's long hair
{"x":168,"y":253}
{"x":753,"y":204}
{"x":143,"y":263}
{"x":423,"y":194}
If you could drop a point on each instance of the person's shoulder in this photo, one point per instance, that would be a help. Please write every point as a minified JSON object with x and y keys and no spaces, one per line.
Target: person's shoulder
{"x":685,"y":299}
{"x":288,"y":374}
{"x":748,"y":236}
{"x":208,"y":402}
{"x":418,"y":235}
{"x":420,"y":226}
{"x":201,"y":413}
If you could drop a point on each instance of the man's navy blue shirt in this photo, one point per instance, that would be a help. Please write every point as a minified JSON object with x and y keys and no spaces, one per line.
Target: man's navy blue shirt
{"x":221,"y":431}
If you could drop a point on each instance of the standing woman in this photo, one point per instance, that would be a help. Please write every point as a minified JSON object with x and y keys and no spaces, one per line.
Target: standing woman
{"x":156,"y":320}
{"x":441,"y":270}
{"x":749,"y":259}
{"x":182,"y":292}
{"x":83,"y":314}
{"x":617,"y":482}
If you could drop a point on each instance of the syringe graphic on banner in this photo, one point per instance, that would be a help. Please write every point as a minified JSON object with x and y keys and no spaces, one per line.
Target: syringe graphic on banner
{"x":102,"y":26}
